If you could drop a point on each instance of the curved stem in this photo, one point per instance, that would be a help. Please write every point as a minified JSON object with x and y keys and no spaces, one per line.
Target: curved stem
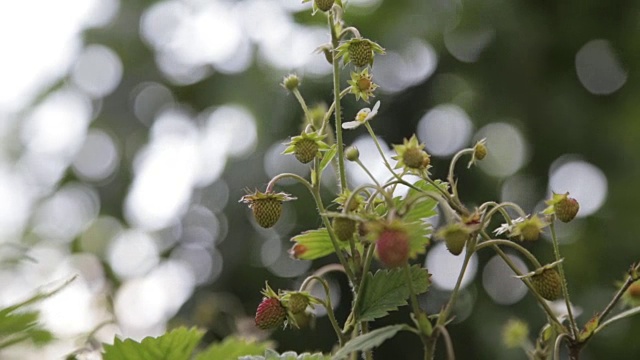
{"x":319,"y":273}
{"x":447,"y":341}
{"x":351,"y":29}
{"x":452,"y":165}
{"x":327,"y":305}
{"x":520,"y":249}
{"x":500,"y":207}
{"x":556,"y":346}
{"x":303,"y":104}
{"x":300,"y":179}
{"x":565,"y":290}
{"x":327,"y":115}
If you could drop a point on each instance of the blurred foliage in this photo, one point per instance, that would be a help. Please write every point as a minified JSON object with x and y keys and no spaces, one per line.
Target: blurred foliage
{"x":526,"y":74}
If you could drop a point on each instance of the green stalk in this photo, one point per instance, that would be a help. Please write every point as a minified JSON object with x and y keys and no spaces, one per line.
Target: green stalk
{"x":335,"y":40}
{"x":565,"y":291}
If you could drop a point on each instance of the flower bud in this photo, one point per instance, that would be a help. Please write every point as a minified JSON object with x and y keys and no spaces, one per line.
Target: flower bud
{"x":291,"y":82}
{"x":352,"y":153}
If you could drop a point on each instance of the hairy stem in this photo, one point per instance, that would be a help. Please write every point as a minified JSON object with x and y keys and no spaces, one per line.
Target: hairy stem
{"x":565,"y":291}
{"x":335,"y":40}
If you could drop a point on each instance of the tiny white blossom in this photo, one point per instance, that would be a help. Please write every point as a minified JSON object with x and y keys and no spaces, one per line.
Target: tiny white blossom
{"x":362,"y":117}
{"x":506,"y":227}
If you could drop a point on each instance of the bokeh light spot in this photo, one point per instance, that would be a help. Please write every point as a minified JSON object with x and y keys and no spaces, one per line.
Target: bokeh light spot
{"x":132,"y":253}
{"x":508,"y":150}
{"x":584,"y":181}
{"x":599,"y":69}
{"x":98,"y":158}
{"x":499,"y":281}
{"x":445,"y":267}
{"x":97,"y":71}
{"x":444,"y":130}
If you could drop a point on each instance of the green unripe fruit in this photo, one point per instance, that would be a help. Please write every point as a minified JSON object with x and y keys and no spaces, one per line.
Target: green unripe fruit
{"x":343,"y":228}
{"x":267,"y":211}
{"x":324,"y":5}
{"x":360,"y":52}
{"x":548,"y":284}
{"x":305,"y":150}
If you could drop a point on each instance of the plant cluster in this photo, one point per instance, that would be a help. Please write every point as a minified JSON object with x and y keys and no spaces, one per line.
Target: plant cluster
{"x":377,"y":236}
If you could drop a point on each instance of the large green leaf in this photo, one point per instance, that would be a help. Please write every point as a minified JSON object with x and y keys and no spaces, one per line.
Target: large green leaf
{"x":289,"y":355}
{"x":232,"y":348}
{"x":387,"y":290}
{"x":369,"y":340}
{"x":313,"y":244}
{"x":175,"y":345}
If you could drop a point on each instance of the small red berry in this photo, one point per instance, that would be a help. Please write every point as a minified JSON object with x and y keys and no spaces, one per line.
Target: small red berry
{"x":566,"y":209}
{"x":270,"y":314}
{"x":392,"y":248}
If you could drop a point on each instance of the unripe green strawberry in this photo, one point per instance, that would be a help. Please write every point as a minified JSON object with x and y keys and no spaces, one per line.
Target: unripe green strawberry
{"x":343,"y":228}
{"x":267,"y":211}
{"x":455,"y":236}
{"x":415,"y":158}
{"x":297,"y":303}
{"x":270,"y":314}
{"x":566,"y":209}
{"x":392,"y":248}
{"x":480,"y":150}
{"x":548,"y":284}
{"x":530,"y":232}
{"x":360,"y":52}
{"x":324,"y":5}
{"x":455,"y":241}
{"x":305,"y":150}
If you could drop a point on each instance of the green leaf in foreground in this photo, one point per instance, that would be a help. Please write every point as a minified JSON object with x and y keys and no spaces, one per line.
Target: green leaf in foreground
{"x":233,"y":348}
{"x":369,"y":340}
{"x":313,"y":244}
{"x":289,"y":355}
{"x":387,"y":290}
{"x":175,"y":345}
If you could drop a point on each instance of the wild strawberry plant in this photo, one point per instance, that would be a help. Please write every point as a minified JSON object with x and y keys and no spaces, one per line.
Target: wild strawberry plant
{"x":377,"y":236}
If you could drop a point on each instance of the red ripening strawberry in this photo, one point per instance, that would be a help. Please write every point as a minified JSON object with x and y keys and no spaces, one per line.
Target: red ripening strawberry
{"x":270,"y":314}
{"x":392,"y":248}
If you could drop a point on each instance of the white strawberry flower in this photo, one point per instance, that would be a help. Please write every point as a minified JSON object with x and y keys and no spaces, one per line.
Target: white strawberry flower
{"x":362,"y":117}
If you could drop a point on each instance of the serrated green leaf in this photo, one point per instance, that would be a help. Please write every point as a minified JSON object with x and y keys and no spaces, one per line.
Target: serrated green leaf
{"x":232,"y":348}
{"x":289,"y":355}
{"x":387,"y":290}
{"x":327,"y":157}
{"x":425,"y":207}
{"x":314,"y":244}
{"x":175,"y":345}
{"x":369,"y":340}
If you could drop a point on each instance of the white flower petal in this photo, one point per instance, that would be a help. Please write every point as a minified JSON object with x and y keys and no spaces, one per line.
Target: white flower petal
{"x":376,"y":107}
{"x":351,"y":125}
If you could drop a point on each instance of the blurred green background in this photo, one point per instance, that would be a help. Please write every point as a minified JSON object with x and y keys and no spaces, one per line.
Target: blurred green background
{"x":129,"y":130}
